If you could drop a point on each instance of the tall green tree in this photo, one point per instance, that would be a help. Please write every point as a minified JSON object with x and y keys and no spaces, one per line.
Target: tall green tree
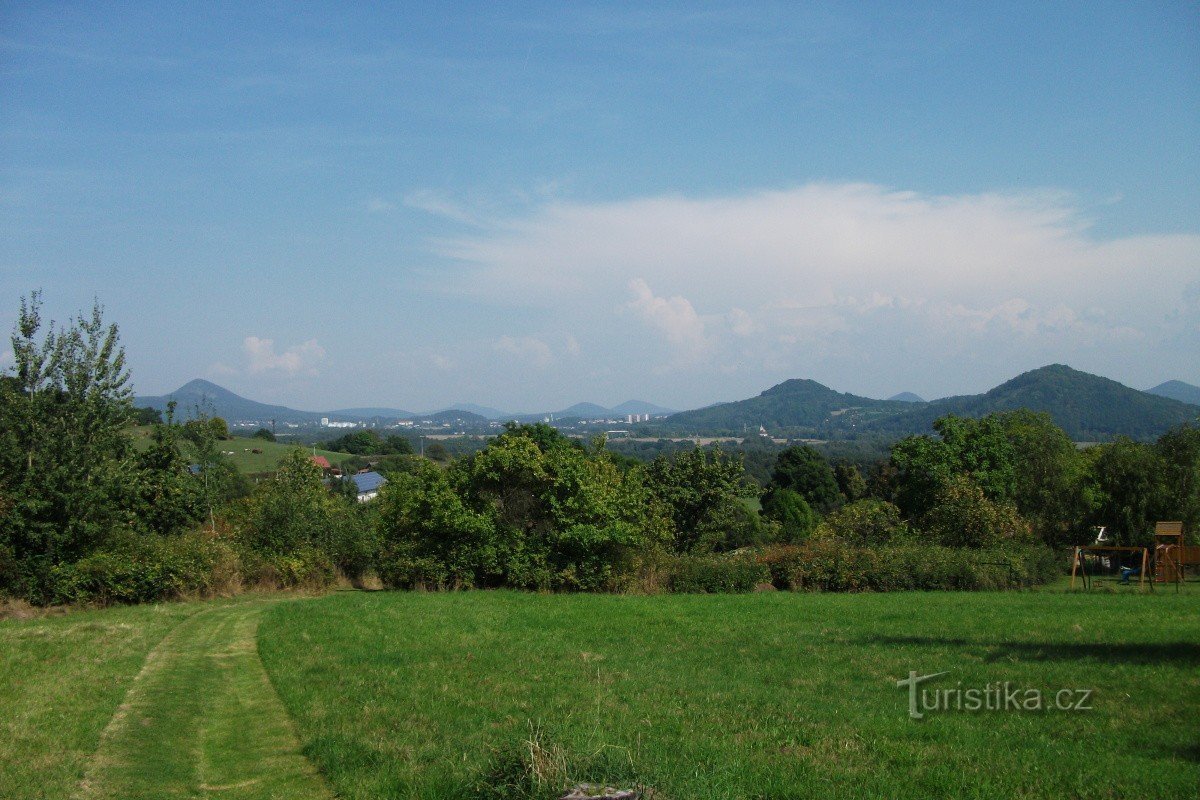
{"x":65,"y":459}
{"x":805,"y":471}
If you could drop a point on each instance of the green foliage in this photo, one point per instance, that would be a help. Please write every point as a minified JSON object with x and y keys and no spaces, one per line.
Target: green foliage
{"x":805,"y":471}
{"x":64,"y":454}
{"x":964,"y":517}
{"x":1179,"y":451}
{"x":370,"y":443}
{"x":833,"y":565}
{"x":717,"y":574}
{"x":147,"y":416}
{"x":1128,"y":481}
{"x":143,"y":569}
{"x":533,"y":510}
{"x":698,"y":487}
{"x":866,"y":523}
{"x":795,"y":516}
{"x":294,"y":530}
{"x":264,"y":434}
{"x":1049,"y":486}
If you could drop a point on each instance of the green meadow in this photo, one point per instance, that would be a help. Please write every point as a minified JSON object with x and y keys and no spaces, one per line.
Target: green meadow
{"x":507,"y":694}
{"x":240,"y":451}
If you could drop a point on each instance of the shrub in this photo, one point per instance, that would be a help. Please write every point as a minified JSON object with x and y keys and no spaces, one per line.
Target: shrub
{"x":830,"y":565}
{"x":717,"y":574}
{"x":964,"y":517}
{"x":865,"y":523}
{"x":138,"y":569}
{"x":303,"y":568}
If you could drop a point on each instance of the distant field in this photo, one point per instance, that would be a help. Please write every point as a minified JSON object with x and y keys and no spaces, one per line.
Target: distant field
{"x":240,"y":452}
{"x":753,"y":696}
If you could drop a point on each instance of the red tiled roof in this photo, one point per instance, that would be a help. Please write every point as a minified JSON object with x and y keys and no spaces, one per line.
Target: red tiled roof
{"x":321,"y":461}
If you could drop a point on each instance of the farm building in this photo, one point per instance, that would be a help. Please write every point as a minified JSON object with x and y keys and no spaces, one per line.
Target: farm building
{"x":367,"y":485}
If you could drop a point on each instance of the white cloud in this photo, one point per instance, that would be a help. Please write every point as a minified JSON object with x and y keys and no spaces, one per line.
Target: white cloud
{"x":298,"y":359}
{"x":572,"y":346}
{"x":220,"y":369}
{"x":526,"y":348}
{"x":674,"y":317}
{"x":827,"y":260}
{"x":6,"y":359}
{"x":439,"y":205}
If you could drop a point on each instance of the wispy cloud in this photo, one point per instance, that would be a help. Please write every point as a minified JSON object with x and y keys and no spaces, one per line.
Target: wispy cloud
{"x":300,"y":359}
{"x":441,"y":206}
{"x":527,"y":349}
{"x":779,"y":280}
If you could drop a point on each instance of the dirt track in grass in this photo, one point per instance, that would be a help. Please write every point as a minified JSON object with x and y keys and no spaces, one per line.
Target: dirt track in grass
{"x":203,"y":720}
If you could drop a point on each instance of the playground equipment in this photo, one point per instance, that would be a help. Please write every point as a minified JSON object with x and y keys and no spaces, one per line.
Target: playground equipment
{"x":1166,"y":562}
{"x":1099,"y":560}
{"x":1172,"y":558}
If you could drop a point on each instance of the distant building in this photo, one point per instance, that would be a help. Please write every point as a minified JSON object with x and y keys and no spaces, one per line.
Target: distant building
{"x":367,"y":485}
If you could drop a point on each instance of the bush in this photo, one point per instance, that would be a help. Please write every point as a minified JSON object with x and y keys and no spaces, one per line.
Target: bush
{"x":302,"y":568}
{"x":139,"y":569}
{"x":831,"y":565}
{"x":717,"y":574}
{"x":865,"y":523}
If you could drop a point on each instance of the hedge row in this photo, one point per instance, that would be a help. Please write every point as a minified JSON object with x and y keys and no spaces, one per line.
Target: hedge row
{"x":832,"y":566}
{"x":141,"y":569}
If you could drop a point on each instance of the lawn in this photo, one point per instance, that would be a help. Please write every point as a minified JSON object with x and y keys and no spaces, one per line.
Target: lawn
{"x":61,"y":680}
{"x":412,"y":695}
{"x":755,"y":696}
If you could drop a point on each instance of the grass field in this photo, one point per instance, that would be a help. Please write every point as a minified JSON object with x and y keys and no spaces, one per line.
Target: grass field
{"x":240,"y":453}
{"x":758,"y":696}
{"x":393,"y":695}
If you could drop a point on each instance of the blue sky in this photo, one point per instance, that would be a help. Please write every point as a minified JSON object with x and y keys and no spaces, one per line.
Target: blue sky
{"x":534,"y":205}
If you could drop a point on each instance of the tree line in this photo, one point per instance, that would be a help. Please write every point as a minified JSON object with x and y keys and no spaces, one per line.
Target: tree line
{"x":85,"y":515}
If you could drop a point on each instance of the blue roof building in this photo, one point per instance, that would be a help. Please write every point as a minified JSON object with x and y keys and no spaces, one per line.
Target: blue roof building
{"x":367,"y":485}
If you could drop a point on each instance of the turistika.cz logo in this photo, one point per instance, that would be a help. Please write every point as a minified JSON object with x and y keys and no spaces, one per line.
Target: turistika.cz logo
{"x":998,"y":696}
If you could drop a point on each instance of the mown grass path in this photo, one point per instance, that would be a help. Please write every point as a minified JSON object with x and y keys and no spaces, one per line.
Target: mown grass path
{"x":203,"y":720}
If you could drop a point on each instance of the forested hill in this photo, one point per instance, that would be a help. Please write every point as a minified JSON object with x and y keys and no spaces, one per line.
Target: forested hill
{"x":1178,"y":390}
{"x":1088,"y":407}
{"x":794,"y":405}
{"x":209,"y":398}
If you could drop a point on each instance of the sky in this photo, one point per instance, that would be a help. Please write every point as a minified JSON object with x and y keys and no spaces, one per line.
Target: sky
{"x":531,"y":205}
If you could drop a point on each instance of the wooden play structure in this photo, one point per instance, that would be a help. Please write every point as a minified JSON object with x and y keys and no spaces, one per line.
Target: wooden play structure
{"x":1167,"y":562}
{"x":1172,"y":558}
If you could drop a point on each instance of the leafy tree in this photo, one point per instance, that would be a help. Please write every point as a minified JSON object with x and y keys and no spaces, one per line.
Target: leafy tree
{"x":963,"y":516}
{"x":805,"y":471}
{"x":1179,"y":450}
{"x":1128,"y":480}
{"x":1048,"y":479}
{"x":65,"y":459}
{"x":795,"y":516}
{"x":850,"y":482}
{"x":264,"y":434}
{"x":697,"y":486}
{"x":147,"y":416}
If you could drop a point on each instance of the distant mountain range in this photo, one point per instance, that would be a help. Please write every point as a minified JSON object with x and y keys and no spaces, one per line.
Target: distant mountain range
{"x":1088,"y":407}
{"x":1178,"y":390}
{"x":209,"y":398}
